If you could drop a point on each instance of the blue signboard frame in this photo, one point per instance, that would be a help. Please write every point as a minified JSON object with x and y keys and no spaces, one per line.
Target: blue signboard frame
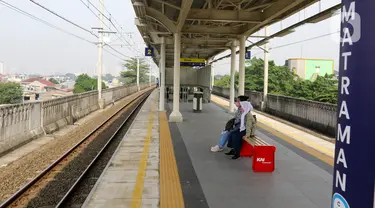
{"x":248,"y":55}
{"x":354,"y":166}
{"x":149,"y":51}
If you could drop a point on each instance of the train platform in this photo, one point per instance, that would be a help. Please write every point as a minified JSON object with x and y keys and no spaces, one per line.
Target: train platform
{"x":162,"y":164}
{"x":131,"y":178}
{"x":291,"y":133}
{"x":301,"y":179}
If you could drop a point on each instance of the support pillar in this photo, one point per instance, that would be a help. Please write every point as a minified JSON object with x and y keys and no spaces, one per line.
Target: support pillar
{"x":138,"y":87}
{"x":241,"y":69}
{"x":265,"y":85}
{"x":149,"y":75}
{"x":176,"y":116}
{"x":232,"y":77}
{"x":212,"y":76}
{"x":162,"y":75}
{"x":354,"y":167}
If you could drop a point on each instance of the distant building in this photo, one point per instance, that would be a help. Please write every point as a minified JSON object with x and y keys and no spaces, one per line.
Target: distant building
{"x":34,"y":87}
{"x":17,"y":78}
{"x":67,"y":84}
{"x":3,"y":78}
{"x":309,"y":69}
{"x":2,"y":68}
{"x":36,"y":84}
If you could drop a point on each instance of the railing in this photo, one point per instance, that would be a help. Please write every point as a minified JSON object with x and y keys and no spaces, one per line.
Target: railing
{"x":310,"y":114}
{"x":21,"y":122}
{"x":18,"y":124}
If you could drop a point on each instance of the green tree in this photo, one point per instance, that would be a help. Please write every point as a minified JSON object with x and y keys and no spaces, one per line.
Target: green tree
{"x":130,"y":74}
{"x":224,"y":81}
{"x":53,"y":80}
{"x":108,"y":77}
{"x":10,"y":93}
{"x":71,"y":76}
{"x":281,"y":81}
{"x":85,"y":83}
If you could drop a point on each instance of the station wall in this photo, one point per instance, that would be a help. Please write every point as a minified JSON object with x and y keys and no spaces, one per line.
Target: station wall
{"x":21,"y":123}
{"x":313,"y":115}
{"x":190,"y":76}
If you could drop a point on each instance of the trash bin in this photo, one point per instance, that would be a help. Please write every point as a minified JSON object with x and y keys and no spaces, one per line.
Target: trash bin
{"x":197,"y":101}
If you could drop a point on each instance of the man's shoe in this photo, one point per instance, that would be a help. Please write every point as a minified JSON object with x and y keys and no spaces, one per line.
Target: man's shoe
{"x":235,"y":157}
{"x":231,"y":152}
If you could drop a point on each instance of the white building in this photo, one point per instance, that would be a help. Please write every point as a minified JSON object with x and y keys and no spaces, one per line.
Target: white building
{"x":2,"y":68}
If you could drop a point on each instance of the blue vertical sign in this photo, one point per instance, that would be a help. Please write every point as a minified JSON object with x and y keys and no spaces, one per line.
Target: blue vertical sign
{"x":248,"y":55}
{"x":354,"y":171}
{"x":149,"y":51}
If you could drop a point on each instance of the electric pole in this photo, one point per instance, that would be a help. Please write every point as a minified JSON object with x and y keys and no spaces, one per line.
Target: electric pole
{"x":100,"y":55}
{"x":138,"y":66}
{"x":149,"y":72}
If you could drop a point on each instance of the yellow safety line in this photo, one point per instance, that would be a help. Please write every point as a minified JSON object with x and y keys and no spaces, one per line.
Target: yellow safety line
{"x":170,"y":186}
{"x":139,"y":185}
{"x":316,"y":151}
{"x":327,"y":151}
{"x":313,"y":152}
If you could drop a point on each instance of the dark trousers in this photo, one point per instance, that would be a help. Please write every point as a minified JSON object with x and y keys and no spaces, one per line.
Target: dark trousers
{"x":235,"y":141}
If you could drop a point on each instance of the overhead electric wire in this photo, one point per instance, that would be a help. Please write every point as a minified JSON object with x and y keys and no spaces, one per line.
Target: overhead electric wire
{"x":10,"y":6}
{"x":113,"y":54}
{"x":118,"y":52}
{"x":113,"y":18}
{"x":94,"y":13}
{"x":65,"y":19}
{"x":109,"y":19}
{"x":301,"y":41}
{"x":118,"y":34}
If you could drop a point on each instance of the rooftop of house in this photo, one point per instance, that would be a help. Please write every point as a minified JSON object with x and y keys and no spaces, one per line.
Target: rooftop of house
{"x":41,"y":80}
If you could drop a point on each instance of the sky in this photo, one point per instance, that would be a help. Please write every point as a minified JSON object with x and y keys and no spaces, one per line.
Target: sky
{"x":28,"y":46}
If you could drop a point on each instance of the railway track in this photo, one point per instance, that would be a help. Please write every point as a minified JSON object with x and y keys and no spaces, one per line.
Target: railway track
{"x":69,"y":179}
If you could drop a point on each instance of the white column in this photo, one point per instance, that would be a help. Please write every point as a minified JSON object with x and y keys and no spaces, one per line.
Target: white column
{"x":138,"y":67}
{"x":241,"y":69}
{"x":232,"y":77}
{"x":176,"y":116}
{"x":265,"y":86}
{"x":100,"y":58}
{"x":149,"y":75}
{"x":212,"y":76}
{"x":162,"y":75}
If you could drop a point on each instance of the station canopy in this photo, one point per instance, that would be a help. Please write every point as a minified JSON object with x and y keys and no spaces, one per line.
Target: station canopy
{"x":207,"y":27}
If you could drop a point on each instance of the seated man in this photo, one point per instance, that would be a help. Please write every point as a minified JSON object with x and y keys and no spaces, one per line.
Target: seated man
{"x":231,"y":126}
{"x":247,"y":129}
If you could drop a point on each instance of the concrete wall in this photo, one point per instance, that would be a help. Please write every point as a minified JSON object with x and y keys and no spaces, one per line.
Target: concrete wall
{"x":190,"y":76}
{"x":18,"y":124}
{"x":204,"y":76}
{"x":317,"y":116}
{"x":313,"y":115}
{"x":22,"y":122}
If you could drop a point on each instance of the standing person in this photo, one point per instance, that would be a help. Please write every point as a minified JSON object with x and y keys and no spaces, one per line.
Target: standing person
{"x":246,"y":130}
{"x":157,"y":82}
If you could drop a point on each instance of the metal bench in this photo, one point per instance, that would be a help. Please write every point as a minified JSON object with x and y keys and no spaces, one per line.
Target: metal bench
{"x":262,"y":153}
{"x":256,"y":141}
